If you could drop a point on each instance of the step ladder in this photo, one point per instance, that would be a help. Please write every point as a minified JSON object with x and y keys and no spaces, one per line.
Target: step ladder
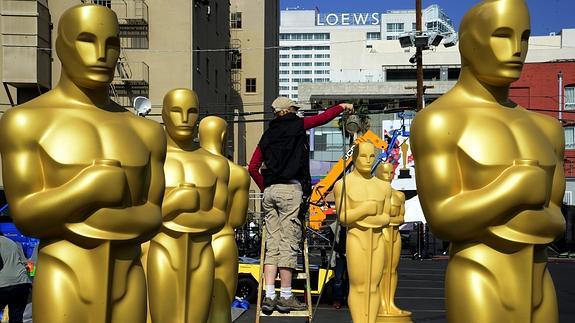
{"x":306,"y":314}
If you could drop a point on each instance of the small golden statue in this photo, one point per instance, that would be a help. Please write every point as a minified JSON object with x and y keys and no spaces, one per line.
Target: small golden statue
{"x":212,"y":138}
{"x":490,"y":176}
{"x":180,"y":258}
{"x":85,"y":176}
{"x":388,"y":311}
{"x":365,"y":211}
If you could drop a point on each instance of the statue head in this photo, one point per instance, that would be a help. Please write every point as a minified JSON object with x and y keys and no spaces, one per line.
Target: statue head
{"x":364,"y":157}
{"x":385,"y":172}
{"x":493,"y":40}
{"x":88,"y":45}
{"x":180,"y":112}
{"x":212,"y":132}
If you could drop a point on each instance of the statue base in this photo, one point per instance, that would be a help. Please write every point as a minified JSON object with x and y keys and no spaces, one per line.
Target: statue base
{"x":394,"y":318}
{"x":404,"y":173}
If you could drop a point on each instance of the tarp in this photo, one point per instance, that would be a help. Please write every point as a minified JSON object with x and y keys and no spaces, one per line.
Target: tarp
{"x":413,"y":210}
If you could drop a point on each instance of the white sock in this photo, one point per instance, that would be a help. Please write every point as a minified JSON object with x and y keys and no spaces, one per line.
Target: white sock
{"x":271,"y":291}
{"x":286,"y":292}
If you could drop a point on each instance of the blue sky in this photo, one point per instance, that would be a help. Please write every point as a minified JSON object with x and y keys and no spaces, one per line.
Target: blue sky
{"x":546,"y":15}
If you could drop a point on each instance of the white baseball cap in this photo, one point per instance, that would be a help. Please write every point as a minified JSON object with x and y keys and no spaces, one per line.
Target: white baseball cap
{"x":282,"y":103}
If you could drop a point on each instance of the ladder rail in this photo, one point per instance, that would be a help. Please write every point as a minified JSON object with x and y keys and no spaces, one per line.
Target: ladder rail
{"x":261,"y":278}
{"x":307,"y":314}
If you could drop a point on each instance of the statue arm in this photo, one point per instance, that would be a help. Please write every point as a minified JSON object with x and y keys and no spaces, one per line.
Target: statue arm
{"x":456,"y":214}
{"x":178,"y":200}
{"x":39,"y":211}
{"x":558,"y":186}
{"x":347,"y":215}
{"x":240,"y":199}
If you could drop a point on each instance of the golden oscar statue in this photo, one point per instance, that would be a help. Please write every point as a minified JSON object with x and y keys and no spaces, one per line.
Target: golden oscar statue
{"x":180,"y":257}
{"x":490,"y":176}
{"x":212,"y":132}
{"x":85,"y":176}
{"x":389,"y":312}
{"x":365,"y":212}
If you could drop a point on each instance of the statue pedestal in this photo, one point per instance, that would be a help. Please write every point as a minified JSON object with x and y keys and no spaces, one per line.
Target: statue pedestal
{"x":394,"y":318}
{"x":404,"y":173}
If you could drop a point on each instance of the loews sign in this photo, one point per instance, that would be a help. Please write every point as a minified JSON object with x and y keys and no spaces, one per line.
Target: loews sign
{"x":347,"y":19}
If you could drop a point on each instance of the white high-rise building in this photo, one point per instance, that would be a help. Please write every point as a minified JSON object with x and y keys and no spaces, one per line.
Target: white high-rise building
{"x":311,"y":42}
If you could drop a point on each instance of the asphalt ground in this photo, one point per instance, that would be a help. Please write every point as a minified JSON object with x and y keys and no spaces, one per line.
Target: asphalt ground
{"x":420,"y":290}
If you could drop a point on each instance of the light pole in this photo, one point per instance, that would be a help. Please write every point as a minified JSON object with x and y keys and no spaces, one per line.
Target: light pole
{"x":419,"y":56}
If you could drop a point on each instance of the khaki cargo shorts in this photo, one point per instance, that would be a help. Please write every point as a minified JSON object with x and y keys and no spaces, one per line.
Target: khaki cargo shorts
{"x":283,"y":227}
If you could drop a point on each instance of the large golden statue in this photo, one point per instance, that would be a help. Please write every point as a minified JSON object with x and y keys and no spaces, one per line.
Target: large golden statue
{"x":180,"y":258}
{"x":85,"y":176}
{"x":490,"y":176}
{"x":212,"y":138}
{"x":365,"y":212}
{"x":389,"y":312}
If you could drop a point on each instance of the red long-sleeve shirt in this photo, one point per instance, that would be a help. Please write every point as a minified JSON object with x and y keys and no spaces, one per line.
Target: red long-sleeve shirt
{"x":308,"y":123}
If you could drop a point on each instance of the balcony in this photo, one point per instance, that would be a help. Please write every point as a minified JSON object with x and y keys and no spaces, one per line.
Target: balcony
{"x":130,"y":80}
{"x":133,"y":19}
{"x":133,"y":73}
{"x":129,"y":12}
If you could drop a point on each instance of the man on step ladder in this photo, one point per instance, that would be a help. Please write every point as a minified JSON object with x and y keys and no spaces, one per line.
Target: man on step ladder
{"x":283,"y":151}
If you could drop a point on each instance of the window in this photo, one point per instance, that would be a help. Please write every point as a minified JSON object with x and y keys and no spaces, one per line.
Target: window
{"x":105,"y":3}
{"x":216,"y":79}
{"x":207,"y":69}
{"x":198,"y":59}
{"x":284,"y":63}
{"x":321,"y":63}
{"x":301,"y":64}
{"x":392,"y":37}
{"x":236,"y":59}
{"x":284,"y":88}
{"x":284,"y":72}
{"x":569,"y":137}
{"x":570,"y":98}
{"x":251,"y":85}
{"x":321,"y":55}
{"x":301,"y":48}
{"x":305,"y":36}
{"x":321,"y":47}
{"x":284,"y":80}
{"x":414,"y":26}
{"x":322,"y":72}
{"x":294,"y":88}
{"x":373,"y":36}
{"x":302,"y":56}
{"x":236,"y":20}
{"x":321,"y":80}
{"x":299,"y":72}
{"x":304,"y":80}
{"x":284,"y":56}
{"x":395,"y":28}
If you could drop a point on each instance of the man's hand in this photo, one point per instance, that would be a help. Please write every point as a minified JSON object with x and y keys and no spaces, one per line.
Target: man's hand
{"x":347,"y":107}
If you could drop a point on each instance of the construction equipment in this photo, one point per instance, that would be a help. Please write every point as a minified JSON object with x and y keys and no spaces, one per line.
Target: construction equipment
{"x":318,"y":203}
{"x":307,"y":314}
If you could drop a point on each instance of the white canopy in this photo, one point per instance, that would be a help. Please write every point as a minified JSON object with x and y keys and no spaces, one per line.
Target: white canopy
{"x":413,"y":211}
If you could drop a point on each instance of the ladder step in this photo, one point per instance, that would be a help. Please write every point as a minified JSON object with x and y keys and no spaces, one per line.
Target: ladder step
{"x":292,"y":314}
{"x":298,"y":276}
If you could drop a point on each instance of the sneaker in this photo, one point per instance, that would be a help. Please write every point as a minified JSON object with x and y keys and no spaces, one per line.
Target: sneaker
{"x":285,"y":305}
{"x":336,"y":304}
{"x":268,"y":305}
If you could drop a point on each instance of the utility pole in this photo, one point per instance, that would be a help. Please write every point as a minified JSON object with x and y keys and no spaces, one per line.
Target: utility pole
{"x":419,"y":55}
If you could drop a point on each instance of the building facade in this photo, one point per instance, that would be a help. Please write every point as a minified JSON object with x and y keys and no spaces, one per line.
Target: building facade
{"x":183,"y":44}
{"x":329,"y":47}
{"x":254,"y":27}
